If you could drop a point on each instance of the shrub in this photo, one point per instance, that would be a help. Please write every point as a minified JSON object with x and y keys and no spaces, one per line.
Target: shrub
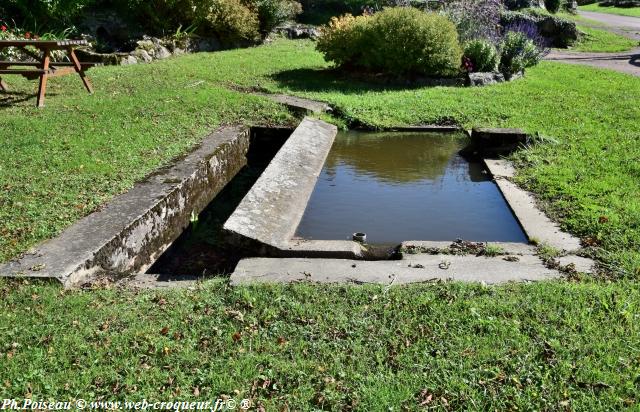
{"x":231,"y":20}
{"x":474,"y":19}
{"x":46,"y":13}
{"x":482,"y":54}
{"x":553,"y":6}
{"x":557,"y":31}
{"x":396,"y":41}
{"x":517,"y":53}
{"x":273,"y":12}
{"x":344,"y":40}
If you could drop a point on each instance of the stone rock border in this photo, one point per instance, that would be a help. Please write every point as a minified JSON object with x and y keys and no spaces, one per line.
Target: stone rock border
{"x":149,"y":49}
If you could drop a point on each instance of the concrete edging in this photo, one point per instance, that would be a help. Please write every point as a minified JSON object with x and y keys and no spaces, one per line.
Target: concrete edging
{"x":268,"y":216}
{"x":536,"y":225}
{"x":411,"y":269}
{"x":135,"y":228}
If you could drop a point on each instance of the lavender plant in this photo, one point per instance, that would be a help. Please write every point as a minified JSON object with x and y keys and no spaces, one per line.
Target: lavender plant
{"x":474,"y":19}
{"x":530,"y":30}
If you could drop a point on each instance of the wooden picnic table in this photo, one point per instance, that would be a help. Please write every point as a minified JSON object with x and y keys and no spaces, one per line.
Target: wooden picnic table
{"x":42,"y":67}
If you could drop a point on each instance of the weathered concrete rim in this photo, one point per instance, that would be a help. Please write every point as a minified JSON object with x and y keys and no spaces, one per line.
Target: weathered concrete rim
{"x":298,"y":104}
{"x":132,"y":230}
{"x":268,"y":216}
{"x":411,"y":269}
{"x":536,"y":225}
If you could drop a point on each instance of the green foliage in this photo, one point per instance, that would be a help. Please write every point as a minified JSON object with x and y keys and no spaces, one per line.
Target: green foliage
{"x":557,"y":31}
{"x":396,"y":41}
{"x":231,"y":20}
{"x":273,"y":12}
{"x":45,"y":13}
{"x":517,"y":53}
{"x":483,"y":55}
{"x":553,"y":6}
{"x":493,"y":250}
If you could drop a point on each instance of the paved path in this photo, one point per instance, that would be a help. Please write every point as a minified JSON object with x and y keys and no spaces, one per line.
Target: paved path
{"x":625,"y":62}
{"x":629,"y":26}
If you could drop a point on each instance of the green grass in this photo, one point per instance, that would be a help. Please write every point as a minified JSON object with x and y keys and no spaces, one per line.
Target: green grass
{"x":62,"y":162}
{"x":598,"y":40}
{"x":592,"y":171}
{"x":621,"y":11}
{"x":544,"y":346}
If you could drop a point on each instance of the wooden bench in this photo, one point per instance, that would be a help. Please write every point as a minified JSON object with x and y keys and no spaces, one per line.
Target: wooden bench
{"x":42,"y":67}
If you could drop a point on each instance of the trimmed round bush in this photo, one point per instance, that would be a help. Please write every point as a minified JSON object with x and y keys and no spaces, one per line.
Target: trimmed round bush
{"x":396,"y":41}
{"x":482,"y":54}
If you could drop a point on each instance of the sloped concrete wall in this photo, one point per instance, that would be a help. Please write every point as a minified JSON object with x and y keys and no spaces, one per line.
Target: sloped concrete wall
{"x":130,"y":232}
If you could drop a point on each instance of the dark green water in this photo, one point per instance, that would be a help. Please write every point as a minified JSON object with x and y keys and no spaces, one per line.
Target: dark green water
{"x":406,"y":186}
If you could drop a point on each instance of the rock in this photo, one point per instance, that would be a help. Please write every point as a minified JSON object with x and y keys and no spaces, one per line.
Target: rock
{"x":496,"y":141}
{"x":514,"y":76}
{"x":297,"y":31}
{"x":142,"y":55}
{"x":571,"y":6}
{"x":146,"y":45}
{"x":128,"y":60}
{"x":484,"y":79}
{"x":88,"y":55}
{"x":162,"y":52}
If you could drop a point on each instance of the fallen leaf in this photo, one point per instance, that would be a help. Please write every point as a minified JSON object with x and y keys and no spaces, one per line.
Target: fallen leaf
{"x":164,"y":330}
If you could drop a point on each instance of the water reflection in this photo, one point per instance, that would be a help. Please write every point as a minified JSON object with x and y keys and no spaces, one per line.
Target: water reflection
{"x":405,"y":186}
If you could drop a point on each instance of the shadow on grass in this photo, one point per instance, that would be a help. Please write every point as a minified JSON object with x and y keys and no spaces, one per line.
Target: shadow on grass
{"x":12,"y":98}
{"x":333,"y":80}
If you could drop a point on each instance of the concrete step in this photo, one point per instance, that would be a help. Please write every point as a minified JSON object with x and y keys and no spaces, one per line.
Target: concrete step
{"x":411,"y":269}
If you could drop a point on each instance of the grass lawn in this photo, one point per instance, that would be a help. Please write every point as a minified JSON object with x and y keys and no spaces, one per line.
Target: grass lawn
{"x":550,"y":345}
{"x":62,"y":162}
{"x":598,"y":40}
{"x":622,"y":11}
{"x":545,"y":346}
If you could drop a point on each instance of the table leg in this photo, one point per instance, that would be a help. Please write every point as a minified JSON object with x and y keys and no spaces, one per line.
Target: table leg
{"x":3,"y":85}
{"x":43,"y":77}
{"x":79,"y":70}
